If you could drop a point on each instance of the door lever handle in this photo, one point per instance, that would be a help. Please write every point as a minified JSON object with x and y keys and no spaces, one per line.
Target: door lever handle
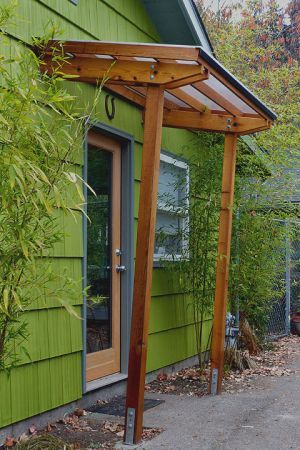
{"x":120,"y":268}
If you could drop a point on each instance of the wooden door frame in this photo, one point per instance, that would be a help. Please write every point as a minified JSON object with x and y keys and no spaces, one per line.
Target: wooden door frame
{"x":107,"y":361}
{"x":127,"y":243}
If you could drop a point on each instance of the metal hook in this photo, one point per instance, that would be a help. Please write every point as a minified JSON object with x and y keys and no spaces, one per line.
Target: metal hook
{"x":109,"y":114}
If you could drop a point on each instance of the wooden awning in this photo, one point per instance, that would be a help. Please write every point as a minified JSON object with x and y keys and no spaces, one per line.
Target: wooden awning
{"x":179,"y":87}
{"x":199,"y":93}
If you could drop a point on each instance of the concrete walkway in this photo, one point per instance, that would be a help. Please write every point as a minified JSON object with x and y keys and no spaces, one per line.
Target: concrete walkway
{"x":260,"y":419}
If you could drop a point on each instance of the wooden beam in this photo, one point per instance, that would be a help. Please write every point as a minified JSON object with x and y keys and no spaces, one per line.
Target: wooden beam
{"x":123,"y":71}
{"x":258,"y":129}
{"x":179,"y":52}
{"x":213,"y":122}
{"x":222,"y":271}
{"x":167,"y":103}
{"x":189,"y":100}
{"x":129,"y":94}
{"x":144,"y":261}
{"x":217,"y":98}
{"x":188,"y":80}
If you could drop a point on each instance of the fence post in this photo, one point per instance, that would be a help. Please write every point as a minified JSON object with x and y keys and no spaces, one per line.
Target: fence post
{"x":287,"y":279}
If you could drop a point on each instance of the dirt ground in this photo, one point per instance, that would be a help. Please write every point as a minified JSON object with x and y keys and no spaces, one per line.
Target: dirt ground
{"x":85,"y":430}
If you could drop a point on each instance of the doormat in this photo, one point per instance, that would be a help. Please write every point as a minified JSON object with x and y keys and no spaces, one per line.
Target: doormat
{"x":116,"y":406}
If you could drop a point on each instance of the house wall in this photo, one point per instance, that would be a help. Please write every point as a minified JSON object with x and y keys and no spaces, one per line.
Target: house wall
{"x":52,"y":376}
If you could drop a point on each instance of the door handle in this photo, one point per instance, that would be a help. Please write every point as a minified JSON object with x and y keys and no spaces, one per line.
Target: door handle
{"x":120,"y":268}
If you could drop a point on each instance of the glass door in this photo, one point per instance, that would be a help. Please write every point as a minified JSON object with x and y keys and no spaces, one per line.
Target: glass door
{"x":103,"y":256}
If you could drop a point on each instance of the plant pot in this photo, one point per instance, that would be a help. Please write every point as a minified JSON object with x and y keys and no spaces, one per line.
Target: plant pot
{"x":296,"y":322}
{"x":297,"y":327}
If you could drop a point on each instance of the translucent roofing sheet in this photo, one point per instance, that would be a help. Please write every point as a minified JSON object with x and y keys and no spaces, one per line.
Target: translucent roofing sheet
{"x":190,"y":90}
{"x":223,"y":91}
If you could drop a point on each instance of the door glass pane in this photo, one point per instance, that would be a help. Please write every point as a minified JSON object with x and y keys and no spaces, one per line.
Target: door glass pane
{"x":99,"y":250}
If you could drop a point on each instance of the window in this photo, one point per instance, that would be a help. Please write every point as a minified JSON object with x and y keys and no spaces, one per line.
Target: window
{"x":172,"y":209}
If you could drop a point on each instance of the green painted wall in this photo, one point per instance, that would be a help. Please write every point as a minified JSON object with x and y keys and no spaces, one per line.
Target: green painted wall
{"x":52,"y":375}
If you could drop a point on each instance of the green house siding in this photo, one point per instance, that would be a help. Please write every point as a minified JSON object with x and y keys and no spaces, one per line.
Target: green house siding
{"x":52,"y":374}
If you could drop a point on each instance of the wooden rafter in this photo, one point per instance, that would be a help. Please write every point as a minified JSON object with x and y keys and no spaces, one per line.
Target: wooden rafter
{"x":217,"y":98}
{"x":167,"y":103}
{"x":189,"y":100}
{"x":129,"y":94}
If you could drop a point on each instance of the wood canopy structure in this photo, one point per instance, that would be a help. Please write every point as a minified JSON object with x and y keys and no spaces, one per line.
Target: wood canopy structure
{"x":178,"y":87}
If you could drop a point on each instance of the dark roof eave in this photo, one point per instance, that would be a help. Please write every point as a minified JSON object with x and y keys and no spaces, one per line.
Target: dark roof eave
{"x":197,"y":14}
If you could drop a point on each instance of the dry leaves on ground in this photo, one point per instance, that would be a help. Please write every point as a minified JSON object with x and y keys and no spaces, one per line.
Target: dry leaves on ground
{"x":267,"y":363}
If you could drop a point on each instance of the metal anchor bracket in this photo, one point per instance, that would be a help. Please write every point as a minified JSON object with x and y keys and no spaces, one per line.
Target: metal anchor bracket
{"x":129,"y":432}
{"x":214,"y":382}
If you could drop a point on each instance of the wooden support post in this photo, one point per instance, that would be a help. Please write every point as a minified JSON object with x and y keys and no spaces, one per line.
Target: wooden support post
{"x":143,"y":264}
{"x":222,"y":272}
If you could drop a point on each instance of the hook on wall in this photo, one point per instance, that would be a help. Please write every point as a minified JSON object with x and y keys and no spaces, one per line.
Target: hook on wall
{"x":110,"y":112}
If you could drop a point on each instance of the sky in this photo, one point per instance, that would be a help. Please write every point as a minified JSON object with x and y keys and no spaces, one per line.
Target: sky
{"x":214,"y":3}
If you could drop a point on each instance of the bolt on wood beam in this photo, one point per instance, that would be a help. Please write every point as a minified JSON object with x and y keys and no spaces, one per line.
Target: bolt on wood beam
{"x":123,"y":71}
{"x":213,"y":122}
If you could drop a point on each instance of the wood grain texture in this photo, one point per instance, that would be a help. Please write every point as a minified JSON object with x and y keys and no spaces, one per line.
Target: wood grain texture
{"x":222,"y":271}
{"x":158,"y":51}
{"x":124,"y":71}
{"x":144,"y":256}
{"x":212,"y":122}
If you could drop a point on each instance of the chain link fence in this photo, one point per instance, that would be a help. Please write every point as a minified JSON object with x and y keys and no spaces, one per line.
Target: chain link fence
{"x":282,"y":307}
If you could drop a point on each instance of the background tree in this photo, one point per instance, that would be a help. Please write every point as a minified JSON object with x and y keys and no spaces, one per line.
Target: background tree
{"x":259,"y":42}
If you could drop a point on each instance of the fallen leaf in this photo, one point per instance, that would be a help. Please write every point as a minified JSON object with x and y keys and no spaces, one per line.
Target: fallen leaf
{"x":23,"y":438}
{"x":9,"y":442}
{"x":80,"y":412}
{"x":32,"y":429}
{"x":111,"y":426}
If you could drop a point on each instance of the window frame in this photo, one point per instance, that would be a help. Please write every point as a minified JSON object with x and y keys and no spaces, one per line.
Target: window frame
{"x":176,"y":161}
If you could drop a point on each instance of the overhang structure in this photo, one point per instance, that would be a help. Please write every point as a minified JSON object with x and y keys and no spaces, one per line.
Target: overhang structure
{"x":177,"y":87}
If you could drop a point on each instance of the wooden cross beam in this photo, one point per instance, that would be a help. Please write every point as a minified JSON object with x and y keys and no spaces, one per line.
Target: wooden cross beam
{"x":124,"y":71}
{"x":213,"y":122}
